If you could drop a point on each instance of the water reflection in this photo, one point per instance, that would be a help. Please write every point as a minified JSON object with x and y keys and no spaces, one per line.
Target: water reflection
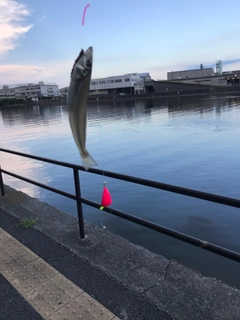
{"x":22,"y":128}
{"x":113,"y":109}
{"x":26,"y":168}
{"x":31,"y":115}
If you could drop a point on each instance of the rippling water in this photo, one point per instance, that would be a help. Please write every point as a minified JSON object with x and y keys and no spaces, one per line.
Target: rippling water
{"x":190,"y":142}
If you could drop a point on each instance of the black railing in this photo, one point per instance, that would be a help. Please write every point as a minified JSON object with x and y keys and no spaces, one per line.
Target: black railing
{"x":157,"y":185}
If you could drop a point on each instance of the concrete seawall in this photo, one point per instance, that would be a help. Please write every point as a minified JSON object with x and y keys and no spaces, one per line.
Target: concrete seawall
{"x":176,"y":91}
{"x":172,"y":290}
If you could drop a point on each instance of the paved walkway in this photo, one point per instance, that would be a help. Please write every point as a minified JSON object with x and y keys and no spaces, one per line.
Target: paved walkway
{"x":51,"y":294}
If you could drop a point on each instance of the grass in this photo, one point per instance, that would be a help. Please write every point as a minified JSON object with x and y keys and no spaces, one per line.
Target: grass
{"x":28,"y":223}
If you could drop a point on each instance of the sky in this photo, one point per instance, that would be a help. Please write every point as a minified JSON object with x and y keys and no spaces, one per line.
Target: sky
{"x":39,"y":40}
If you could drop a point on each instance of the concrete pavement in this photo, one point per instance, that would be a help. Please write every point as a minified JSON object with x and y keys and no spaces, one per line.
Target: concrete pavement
{"x":51,"y":294}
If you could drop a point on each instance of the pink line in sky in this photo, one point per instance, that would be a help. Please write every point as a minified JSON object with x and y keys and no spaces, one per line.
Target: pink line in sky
{"x":84,"y":12}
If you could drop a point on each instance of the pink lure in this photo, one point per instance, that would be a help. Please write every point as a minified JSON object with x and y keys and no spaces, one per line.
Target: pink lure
{"x":84,"y":12}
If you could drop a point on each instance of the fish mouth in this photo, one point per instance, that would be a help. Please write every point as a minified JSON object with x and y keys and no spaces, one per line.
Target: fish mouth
{"x":84,"y":60}
{"x":88,"y":54}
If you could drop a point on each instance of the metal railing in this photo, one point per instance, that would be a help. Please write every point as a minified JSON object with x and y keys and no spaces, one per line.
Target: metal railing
{"x":153,"y":184}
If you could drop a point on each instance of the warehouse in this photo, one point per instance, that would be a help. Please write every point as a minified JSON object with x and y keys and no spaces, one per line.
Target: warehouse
{"x":206,"y":76}
{"x":117,"y":85}
{"x":186,"y":74}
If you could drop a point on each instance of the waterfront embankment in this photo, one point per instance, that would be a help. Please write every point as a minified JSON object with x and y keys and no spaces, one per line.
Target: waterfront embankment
{"x":129,"y":280}
{"x":176,"y":91}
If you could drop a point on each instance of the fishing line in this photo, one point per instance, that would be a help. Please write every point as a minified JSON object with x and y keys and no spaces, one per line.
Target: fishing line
{"x":83,"y":19}
{"x":104,"y":227}
{"x":101,"y":143}
{"x":104,"y":183}
{"x":106,"y":196}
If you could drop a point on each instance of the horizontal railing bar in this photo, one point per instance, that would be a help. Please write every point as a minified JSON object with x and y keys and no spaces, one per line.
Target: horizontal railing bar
{"x":170,"y":232}
{"x":149,"y":183}
{"x":171,"y":188}
{"x":63,"y":193}
{"x":60,"y":163}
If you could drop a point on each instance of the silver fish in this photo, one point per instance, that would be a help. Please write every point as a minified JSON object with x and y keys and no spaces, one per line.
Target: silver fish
{"x":77,"y":103}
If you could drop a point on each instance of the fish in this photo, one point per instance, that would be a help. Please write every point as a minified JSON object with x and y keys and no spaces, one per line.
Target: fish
{"x":77,"y":103}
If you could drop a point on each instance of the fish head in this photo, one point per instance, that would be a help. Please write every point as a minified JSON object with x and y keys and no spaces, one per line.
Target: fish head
{"x":82,"y":67}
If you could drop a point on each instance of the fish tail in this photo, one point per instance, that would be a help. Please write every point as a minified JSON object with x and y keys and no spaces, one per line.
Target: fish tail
{"x":88,"y":161}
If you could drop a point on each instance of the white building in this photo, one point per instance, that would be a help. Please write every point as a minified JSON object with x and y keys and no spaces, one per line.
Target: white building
{"x":63,"y":92}
{"x":31,"y":91}
{"x":7,"y":92}
{"x":123,"y":84}
{"x":219,"y":67}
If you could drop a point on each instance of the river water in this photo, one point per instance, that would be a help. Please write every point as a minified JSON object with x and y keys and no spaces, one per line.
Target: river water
{"x":192,"y":142}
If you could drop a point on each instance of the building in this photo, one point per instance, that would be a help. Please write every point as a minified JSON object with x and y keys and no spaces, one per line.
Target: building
{"x":228,"y":78}
{"x":63,"y":92}
{"x":7,"y":92}
{"x":119,"y":85}
{"x":188,"y":74}
{"x":206,"y":76}
{"x":219,"y":67}
{"x":30,"y":91}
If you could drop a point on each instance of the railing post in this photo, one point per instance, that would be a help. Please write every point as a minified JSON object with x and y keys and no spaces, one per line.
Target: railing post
{"x":1,"y":183}
{"x":79,"y":203}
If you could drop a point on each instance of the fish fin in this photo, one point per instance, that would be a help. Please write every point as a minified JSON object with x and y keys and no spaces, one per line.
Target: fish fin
{"x":88,"y":161}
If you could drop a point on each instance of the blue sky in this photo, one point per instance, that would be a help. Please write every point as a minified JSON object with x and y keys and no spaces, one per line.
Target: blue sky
{"x":39,"y":40}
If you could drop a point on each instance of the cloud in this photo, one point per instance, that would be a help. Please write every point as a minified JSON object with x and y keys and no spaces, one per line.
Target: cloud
{"x":232,"y":61}
{"x":42,"y":18}
{"x":228,"y":63}
{"x":12,"y":24}
{"x":51,"y":71}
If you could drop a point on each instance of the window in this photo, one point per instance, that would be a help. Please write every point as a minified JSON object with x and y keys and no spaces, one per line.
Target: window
{"x":118,"y":80}
{"x":102,"y":82}
{"x":127,"y":79}
{"x":94,"y":82}
{"x":110,"y":81}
